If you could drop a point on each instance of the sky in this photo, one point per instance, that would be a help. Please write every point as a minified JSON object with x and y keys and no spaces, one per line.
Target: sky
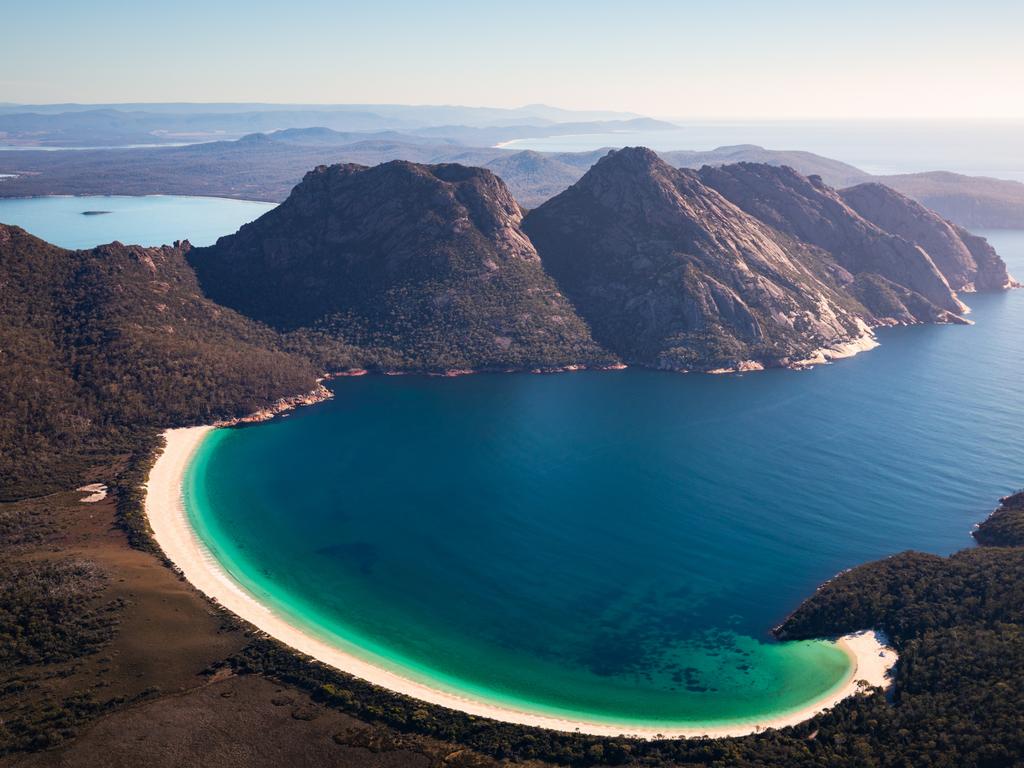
{"x":780,"y":59}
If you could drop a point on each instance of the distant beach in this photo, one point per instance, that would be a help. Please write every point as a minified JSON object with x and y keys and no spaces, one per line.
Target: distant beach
{"x":870,"y":656}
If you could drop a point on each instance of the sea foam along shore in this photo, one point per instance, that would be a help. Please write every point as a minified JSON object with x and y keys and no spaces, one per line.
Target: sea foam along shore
{"x":871,"y":658}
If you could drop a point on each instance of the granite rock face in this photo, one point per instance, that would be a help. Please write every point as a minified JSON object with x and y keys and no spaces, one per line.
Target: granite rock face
{"x":992,"y":271}
{"x":419,"y":266}
{"x":671,"y":274}
{"x":434,"y":267}
{"x":895,"y":279}
{"x":967,"y":261}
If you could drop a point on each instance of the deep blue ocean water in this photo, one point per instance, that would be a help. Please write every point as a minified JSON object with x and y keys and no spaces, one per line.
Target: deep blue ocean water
{"x":617,"y":545}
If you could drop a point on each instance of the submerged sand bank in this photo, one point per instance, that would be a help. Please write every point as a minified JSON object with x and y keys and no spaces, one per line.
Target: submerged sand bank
{"x":871,"y":657}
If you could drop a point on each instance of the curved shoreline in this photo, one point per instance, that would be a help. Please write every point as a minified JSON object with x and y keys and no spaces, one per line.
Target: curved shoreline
{"x":871,"y":658}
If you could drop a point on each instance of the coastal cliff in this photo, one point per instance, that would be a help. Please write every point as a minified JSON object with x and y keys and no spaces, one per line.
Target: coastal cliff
{"x":896,"y":280}
{"x":966,"y":261}
{"x":671,"y":274}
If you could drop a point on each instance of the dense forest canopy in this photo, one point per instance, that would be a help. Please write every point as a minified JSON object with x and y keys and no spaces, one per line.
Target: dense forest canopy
{"x":100,"y":346}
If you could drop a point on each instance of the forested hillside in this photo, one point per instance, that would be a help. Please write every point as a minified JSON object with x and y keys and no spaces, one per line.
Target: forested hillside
{"x":100,"y":346}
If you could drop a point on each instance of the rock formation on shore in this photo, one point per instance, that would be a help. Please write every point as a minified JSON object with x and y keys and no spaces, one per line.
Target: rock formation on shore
{"x":671,"y":274}
{"x":896,"y":280}
{"x":968,"y":262}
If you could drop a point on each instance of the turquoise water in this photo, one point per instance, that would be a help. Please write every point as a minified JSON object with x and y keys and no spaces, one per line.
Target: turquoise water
{"x":151,"y":220}
{"x":616,"y":546}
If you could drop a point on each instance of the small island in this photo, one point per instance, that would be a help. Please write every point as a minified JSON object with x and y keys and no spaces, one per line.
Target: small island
{"x":95,"y":213}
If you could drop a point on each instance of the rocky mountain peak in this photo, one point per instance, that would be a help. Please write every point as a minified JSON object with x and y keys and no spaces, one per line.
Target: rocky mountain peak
{"x":631,"y":169}
{"x":423,"y":263}
{"x":670,"y":273}
{"x":729,"y":267}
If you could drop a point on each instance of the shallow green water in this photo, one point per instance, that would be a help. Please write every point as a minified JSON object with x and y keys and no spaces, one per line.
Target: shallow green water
{"x":616,"y":546}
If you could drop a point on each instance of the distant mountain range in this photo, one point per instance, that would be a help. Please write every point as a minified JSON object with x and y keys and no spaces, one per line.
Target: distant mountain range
{"x":266,"y":166}
{"x":418,"y":114}
{"x":132,"y":124}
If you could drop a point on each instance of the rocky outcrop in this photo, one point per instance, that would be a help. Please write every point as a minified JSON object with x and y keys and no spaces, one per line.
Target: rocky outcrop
{"x":421,"y":267}
{"x":669,"y":273}
{"x":279,"y":406}
{"x":806,"y":208}
{"x":992,"y":273}
{"x":967,"y":262}
{"x":1005,"y":526}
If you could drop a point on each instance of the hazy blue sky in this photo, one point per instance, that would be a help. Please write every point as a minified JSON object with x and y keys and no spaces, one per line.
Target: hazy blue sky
{"x":785,"y":58}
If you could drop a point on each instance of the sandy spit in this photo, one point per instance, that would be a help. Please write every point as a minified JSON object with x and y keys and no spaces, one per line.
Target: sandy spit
{"x":869,"y":650}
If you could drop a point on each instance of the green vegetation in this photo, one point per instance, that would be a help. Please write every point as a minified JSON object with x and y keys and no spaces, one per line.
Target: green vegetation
{"x":46,"y":615}
{"x":99,"y":349}
{"x":52,"y":614}
{"x":1005,"y":526}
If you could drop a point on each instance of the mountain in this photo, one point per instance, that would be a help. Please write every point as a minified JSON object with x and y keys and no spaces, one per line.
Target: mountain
{"x":121,"y":125}
{"x":967,"y":262}
{"x":834,"y":172}
{"x":671,"y":274}
{"x":487,"y":136}
{"x":114,"y":127}
{"x":98,"y":345}
{"x":433,"y":267}
{"x":420,"y":266}
{"x":895,"y":279}
{"x":326,"y":137}
{"x":534,"y":177}
{"x":976,"y":202}
{"x":742,"y":265}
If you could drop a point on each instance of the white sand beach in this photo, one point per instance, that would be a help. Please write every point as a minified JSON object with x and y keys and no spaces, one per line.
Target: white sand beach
{"x":871,"y":656}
